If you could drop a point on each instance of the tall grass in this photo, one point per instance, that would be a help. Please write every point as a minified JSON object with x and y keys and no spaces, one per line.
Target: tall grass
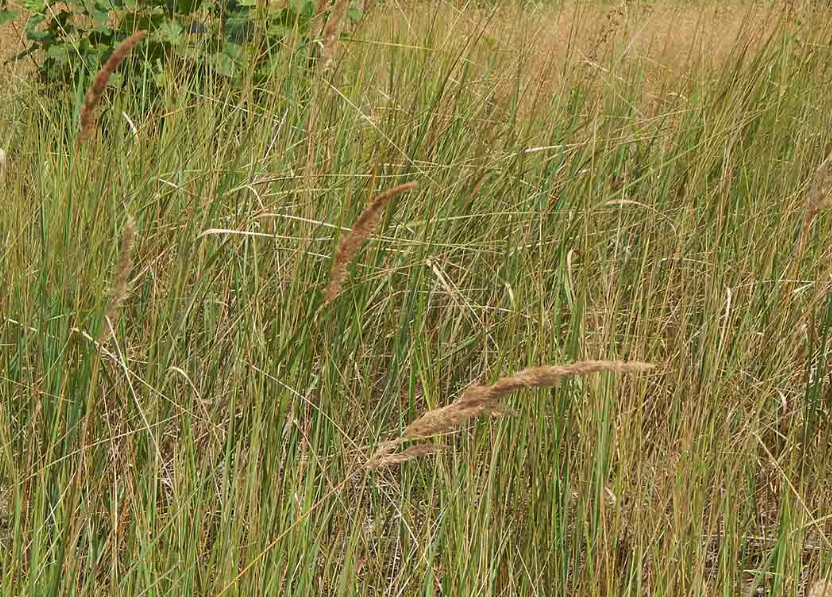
{"x":191,"y":407}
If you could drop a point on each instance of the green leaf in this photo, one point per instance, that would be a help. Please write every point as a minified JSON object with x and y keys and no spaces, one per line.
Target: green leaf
{"x":171,"y":32}
{"x":32,"y":32}
{"x":34,"y":5}
{"x":58,"y":52}
{"x":7,"y":15}
{"x":223,"y":64}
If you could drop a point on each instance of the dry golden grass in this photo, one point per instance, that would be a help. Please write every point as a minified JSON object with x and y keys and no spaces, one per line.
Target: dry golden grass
{"x":549,"y":46}
{"x":12,"y":41}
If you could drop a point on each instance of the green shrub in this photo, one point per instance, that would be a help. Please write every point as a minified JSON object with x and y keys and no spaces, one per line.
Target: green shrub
{"x":232,"y":40}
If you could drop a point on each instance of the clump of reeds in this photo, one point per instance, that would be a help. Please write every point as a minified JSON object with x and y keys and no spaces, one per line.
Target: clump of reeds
{"x":120,"y":289}
{"x":479,"y":400}
{"x":3,"y":163}
{"x":364,"y":226}
{"x":93,"y":97}
{"x":817,"y":199}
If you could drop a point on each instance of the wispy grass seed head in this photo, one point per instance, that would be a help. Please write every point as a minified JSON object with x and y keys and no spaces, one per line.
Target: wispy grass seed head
{"x":411,"y":453}
{"x":480,"y":400}
{"x":93,"y":97}
{"x":330,"y":33}
{"x":120,"y":289}
{"x":364,"y":226}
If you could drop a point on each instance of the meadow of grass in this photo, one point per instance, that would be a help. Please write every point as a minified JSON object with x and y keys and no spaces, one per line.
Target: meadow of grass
{"x":253,"y":351}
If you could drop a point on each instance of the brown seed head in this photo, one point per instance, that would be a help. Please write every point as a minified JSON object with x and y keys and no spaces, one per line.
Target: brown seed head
{"x":120,"y":289}
{"x":93,"y":97}
{"x":330,"y":33}
{"x":480,"y":400}
{"x":822,"y":588}
{"x":411,"y":453}
{"x":364,"y":226}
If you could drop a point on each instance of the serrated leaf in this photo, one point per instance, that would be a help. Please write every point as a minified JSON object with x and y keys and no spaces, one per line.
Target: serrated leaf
{"x":223,"y":64}
{"x":171,"y":32}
